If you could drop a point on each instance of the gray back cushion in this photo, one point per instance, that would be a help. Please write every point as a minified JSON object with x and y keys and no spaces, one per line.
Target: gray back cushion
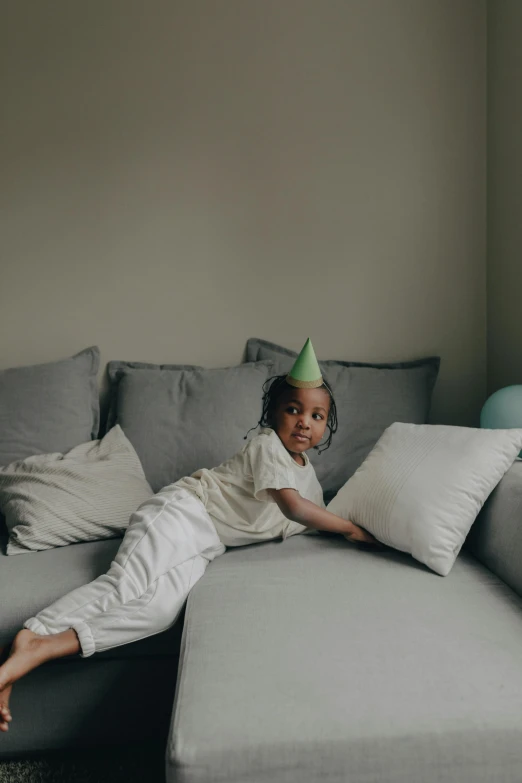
{"x":49,"y":407}
{"x":116,"y":371}
{"x":180,"y":420}
{"x":369,"y":397}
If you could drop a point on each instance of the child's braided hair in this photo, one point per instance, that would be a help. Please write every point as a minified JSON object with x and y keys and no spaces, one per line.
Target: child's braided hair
{"x":273,"y":388}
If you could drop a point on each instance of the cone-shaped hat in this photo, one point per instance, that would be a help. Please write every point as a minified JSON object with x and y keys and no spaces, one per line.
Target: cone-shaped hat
{"x":305,"y":374}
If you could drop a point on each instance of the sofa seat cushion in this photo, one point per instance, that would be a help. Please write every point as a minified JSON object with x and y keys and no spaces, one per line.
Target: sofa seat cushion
{"x":311,"y":659}
{"x":30,"y":582}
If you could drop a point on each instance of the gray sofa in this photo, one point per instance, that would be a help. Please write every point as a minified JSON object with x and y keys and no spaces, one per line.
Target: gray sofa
{"x":300,"y":660}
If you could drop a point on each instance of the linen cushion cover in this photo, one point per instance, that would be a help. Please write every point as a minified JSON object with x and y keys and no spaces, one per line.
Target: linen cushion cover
{"x":369,"y":397}
{"x":422,"y":486}
{"x":89,"y":493}
{"x":181,"y":420}
{"x":49,"y":407}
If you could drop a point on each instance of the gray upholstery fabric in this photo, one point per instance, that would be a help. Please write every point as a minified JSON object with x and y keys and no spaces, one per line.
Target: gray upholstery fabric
{"x":182,"y":420}
{"x":313,"y":660}
{"x":496,"y":535}
{"x":87,"y":703}
{"x":369,"y":397}
{"x":30,"y":582}
{"x":49,"y":407}
{"x":116,"y":371}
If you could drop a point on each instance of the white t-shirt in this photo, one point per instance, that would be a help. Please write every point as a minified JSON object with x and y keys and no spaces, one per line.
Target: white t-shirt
{"x":235,"y":497}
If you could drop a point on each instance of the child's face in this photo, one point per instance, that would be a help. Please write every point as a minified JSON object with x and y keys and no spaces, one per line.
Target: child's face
{"x":300,"y":418}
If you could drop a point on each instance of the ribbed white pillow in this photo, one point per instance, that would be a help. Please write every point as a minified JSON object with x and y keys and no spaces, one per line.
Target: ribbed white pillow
{"x":422,"y":486}
{"x":89,"y":493}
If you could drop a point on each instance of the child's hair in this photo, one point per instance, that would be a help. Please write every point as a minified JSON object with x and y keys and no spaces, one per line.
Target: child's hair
{"x":274,"y":387}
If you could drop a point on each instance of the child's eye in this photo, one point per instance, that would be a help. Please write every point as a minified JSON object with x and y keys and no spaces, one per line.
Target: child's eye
{"x":293,"y":409}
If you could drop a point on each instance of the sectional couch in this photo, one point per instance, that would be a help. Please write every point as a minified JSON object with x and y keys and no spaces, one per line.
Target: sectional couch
{"x":300,"y":660}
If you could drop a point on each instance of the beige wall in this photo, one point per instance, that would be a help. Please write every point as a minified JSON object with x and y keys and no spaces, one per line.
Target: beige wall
{"x":178,"y":176}
{"x":504,"y":193}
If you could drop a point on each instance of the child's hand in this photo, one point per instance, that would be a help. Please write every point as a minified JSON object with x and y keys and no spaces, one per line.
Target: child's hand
{"x":361,"y":536}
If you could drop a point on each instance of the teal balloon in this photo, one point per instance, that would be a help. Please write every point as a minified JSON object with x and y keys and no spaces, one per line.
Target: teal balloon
{"x":503,"y":410}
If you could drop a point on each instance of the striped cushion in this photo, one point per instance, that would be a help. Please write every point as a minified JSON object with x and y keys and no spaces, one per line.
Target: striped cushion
{"x":422,"y":486}
{"x":89,"y":493}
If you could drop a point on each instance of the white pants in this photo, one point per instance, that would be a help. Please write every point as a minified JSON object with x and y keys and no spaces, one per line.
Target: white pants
{"x":168,"y":544}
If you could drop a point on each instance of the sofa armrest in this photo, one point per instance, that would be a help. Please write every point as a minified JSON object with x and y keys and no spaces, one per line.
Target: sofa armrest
{"x":495,"y":538}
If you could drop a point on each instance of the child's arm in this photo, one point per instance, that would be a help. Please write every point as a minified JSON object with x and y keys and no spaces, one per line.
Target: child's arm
{"x":306,"y":513}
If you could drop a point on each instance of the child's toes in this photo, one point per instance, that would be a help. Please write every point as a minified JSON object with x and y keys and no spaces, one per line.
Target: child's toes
{"x":4,"y":726}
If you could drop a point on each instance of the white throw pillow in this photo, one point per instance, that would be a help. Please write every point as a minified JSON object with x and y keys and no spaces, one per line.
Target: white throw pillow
{"x":422,"y":485}
{"x":89,"y":493}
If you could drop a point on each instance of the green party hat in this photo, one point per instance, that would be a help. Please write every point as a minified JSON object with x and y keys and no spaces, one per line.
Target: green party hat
{"x":306,"y":373}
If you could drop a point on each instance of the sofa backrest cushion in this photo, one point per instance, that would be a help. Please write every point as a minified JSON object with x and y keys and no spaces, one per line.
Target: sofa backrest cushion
{"x":181,"y":420}
{"x":50,"y":407}
{"x":116,"y":371}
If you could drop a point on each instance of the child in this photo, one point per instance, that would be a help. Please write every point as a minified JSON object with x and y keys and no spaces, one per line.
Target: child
{"x":267,"y":490}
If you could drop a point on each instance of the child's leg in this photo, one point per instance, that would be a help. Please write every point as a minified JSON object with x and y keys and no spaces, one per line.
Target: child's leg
{"x":167,"y":546}
{"x":151,"y":613}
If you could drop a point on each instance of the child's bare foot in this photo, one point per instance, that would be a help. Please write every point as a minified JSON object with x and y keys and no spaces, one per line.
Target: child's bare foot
{"x":28,"y":651}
